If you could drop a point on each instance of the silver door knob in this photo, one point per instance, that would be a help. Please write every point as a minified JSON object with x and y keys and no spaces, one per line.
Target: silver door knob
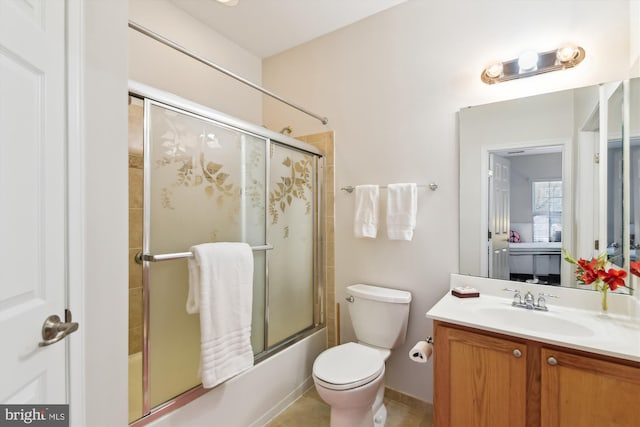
{"x":54,"y":330}
{"x":552,"y":361}
{"x":350,"y":299}
{"x":517,"y":353}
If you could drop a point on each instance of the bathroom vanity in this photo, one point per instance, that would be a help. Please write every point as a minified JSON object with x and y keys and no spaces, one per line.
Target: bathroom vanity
{"x":483,"y":379}
{"x":498,"y":365}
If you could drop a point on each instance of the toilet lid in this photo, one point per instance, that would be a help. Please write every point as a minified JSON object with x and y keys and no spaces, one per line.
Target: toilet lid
{"x":348,"y":366}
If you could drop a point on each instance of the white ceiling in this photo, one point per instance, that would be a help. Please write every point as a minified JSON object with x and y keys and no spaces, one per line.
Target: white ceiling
{"x":267,"y":27}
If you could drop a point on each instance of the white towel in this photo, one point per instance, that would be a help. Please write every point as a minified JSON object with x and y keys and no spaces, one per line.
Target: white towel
{"x":220,"y":289}
{"x":402,"y":206}
{"x":365,"y":222}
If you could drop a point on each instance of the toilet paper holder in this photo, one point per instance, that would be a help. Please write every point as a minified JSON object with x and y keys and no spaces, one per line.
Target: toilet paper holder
{"x":421,"y":352}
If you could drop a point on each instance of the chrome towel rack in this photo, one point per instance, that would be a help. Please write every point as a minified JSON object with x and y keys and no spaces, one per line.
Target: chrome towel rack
{"x":140,"y":257}
{"x":349,"y":188}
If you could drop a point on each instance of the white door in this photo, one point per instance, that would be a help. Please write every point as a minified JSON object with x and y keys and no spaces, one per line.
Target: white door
{"x":32,"y":199}
{"x":499,"y":217}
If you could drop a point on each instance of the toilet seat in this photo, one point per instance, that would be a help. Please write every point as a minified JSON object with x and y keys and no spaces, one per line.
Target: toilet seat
{"x":347,"y":366}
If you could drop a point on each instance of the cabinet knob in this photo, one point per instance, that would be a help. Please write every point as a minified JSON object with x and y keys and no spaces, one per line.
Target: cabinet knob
{"x":517,"y":353}
{"x":552,"y":361}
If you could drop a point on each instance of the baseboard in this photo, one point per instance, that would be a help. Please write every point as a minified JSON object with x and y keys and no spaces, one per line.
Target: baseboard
{"x":406,"y":399}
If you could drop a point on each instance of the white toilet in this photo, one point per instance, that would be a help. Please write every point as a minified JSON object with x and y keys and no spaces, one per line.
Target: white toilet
{"x":350,"y":377}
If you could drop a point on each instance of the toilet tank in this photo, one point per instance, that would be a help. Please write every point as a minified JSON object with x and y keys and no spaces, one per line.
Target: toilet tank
{"x":379,"y":315}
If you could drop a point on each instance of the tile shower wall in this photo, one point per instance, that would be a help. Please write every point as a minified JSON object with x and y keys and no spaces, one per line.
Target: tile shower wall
{"x":135,"y":227}
{"x":324,"y":141}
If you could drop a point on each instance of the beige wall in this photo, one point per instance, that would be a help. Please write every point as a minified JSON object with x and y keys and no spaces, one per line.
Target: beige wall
{"x":391,"y":86}
{"x":634,"y":47}
{"x":161,"y":67}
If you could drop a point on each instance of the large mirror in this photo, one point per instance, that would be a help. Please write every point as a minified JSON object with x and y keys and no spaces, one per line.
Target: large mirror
{"x":548,"y":172}
{"x":632,"y":113}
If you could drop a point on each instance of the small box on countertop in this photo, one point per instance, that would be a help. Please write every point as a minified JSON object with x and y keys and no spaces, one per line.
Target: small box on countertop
{"x":465,"y":292}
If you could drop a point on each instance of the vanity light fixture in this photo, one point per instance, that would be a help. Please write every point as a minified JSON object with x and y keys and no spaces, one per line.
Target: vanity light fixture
{"x":531,"y":63}
{"x":528,"y":62}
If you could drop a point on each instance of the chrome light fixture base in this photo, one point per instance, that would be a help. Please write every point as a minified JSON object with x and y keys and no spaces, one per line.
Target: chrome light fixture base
{"x":553,"y":60}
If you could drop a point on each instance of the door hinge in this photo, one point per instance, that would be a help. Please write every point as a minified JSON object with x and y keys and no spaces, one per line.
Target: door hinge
{"x":489,"y":234}
{"x":596,"y":158}
{"x":596,"y":245}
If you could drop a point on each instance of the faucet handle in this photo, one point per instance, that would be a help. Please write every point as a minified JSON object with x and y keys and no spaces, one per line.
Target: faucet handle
{"x":517,"y":298}
{"x":542,"y":294}
{"x":542,"y":302}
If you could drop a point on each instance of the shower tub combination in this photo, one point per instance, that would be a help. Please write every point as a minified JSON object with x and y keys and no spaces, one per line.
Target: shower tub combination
{"x":208,"y":177}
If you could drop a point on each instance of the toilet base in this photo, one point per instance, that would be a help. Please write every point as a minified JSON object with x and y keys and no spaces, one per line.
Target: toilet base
{"x":356,"y":407}
{"x":355,"y":417}
{"x":358,"y":418}
{"x":379,"y":410}
{"x":380,"y":417}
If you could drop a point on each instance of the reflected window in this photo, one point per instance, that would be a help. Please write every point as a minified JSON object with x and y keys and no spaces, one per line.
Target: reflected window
{"x":547,"y":211}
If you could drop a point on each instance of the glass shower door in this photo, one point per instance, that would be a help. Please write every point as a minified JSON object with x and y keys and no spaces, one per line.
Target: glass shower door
{"x":205,"y":182}
{"x":292,"y":232}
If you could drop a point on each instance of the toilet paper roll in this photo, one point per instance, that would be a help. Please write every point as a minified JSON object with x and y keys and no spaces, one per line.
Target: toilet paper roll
{"x":421,"y":352}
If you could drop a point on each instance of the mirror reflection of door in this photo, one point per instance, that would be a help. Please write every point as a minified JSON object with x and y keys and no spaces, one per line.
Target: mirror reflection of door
{"x":499,"y":207}
{"x":614,"y":203}
{"x":525,"y":214}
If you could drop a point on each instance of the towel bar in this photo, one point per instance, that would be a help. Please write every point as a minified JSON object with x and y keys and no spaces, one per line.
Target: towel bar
{"x":179,"y":255}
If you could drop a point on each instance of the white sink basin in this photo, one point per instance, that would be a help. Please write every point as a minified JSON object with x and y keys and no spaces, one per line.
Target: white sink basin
{"x":532,"y":320}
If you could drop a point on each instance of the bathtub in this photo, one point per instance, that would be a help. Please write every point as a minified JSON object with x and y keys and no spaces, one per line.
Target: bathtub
{"x":249,"y":399}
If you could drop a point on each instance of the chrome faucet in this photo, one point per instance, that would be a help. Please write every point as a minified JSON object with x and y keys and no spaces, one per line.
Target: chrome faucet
{"x":529,"y":302}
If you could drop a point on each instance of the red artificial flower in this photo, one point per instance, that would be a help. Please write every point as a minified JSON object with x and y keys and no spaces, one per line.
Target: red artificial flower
{"x":634,"y":266}
{"x":595,"y":272}
{"x":586,"y":271}
{"x":613,"y":278}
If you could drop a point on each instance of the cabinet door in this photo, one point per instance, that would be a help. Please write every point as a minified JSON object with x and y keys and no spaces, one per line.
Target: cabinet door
{"x":479,"y":380}
{"x":580,"y":391}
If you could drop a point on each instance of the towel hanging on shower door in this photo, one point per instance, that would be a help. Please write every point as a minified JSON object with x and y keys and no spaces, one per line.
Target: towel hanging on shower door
{"x":221,"y":290}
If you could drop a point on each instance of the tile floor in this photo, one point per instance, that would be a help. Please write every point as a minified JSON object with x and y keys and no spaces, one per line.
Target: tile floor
{"x":310,"y":411}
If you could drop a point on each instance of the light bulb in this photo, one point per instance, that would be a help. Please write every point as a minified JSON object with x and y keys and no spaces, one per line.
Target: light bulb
{"x":566,"y":53}
{"x":528,"y":61}
{"x":228,"y":2}
{"x":494,"y":70}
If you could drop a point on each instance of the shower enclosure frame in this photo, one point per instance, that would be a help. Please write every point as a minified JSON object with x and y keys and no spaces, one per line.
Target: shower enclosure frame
{"x":154,"y":96}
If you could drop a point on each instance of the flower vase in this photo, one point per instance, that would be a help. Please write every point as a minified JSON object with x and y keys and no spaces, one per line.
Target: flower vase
{"x":604,"y":308}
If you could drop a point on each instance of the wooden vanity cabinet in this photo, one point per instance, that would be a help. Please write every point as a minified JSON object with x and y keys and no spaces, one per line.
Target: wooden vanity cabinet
{"x":483,"y":379}
{"x":583,"y":391}
{"x":480,"y":380}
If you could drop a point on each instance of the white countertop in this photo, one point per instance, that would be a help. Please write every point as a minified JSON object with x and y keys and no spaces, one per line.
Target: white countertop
{"x":617,"y":334}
